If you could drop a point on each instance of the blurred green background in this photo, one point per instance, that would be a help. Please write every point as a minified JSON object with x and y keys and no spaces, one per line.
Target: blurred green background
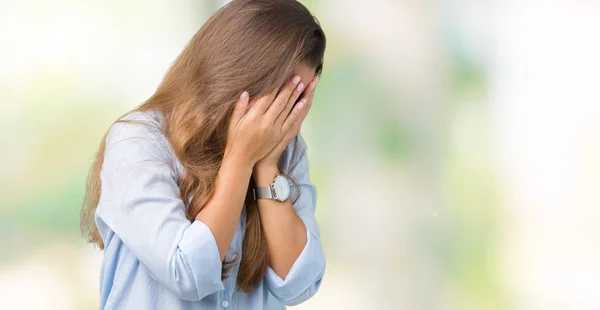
{"x":455,"y":146}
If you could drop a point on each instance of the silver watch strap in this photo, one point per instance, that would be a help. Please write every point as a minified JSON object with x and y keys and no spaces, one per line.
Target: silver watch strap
{"x":263,"y":192}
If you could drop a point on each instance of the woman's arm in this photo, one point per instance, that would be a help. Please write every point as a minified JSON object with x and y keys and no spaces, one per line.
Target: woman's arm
{"x":222,"y":212}
{"x":291,"y":231}
{"x":284,"y":231}
{"x":292,"y":234}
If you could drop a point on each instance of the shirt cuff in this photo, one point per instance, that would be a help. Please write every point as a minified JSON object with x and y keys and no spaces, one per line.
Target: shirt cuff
{"x":304,"y":278}
{"x":199,"y":247}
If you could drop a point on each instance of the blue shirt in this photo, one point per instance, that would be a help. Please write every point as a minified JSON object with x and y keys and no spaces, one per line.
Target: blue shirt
{"x":154,"y":258}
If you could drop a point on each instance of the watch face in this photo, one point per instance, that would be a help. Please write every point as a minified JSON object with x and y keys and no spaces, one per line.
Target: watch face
{"x":282,"y":188}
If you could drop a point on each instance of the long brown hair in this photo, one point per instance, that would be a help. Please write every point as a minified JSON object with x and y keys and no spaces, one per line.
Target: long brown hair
{"x":251,"y":45}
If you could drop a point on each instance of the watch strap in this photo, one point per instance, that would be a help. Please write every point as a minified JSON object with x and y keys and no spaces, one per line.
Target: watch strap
{"x":263,"y":192}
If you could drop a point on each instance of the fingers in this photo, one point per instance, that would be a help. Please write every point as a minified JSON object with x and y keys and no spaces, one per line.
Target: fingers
{"x":240,"y":108}
{"x":290,"y":103}
{"x":282,"y":99}
{"x":299,"y":112}
{"x":263,"y":103}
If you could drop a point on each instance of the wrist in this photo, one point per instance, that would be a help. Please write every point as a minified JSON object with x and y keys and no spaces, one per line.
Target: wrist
{"x":239,"y":163}
{"x":264,"y":173}
{"x":265,"y":164}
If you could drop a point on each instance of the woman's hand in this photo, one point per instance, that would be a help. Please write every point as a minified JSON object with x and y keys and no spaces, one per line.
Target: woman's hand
{"x":291,"y":124}
{"x":254,"y":132}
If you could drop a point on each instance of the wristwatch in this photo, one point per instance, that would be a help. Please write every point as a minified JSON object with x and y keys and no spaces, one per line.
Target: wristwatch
{"x":278,"y":190}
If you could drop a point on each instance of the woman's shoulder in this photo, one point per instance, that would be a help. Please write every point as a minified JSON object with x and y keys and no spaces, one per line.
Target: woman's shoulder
{"x":134,"y":126}
{"x":149,"y":121}
{"x":138,"y":135}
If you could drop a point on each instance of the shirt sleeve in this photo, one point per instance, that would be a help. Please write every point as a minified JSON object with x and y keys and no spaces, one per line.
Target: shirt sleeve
{"x":140,"y":202}
{"x":304,"y":278}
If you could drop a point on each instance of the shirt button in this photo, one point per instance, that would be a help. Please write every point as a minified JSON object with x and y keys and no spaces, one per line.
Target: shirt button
{"x":234,"y":256}
{"x":225,"y":304}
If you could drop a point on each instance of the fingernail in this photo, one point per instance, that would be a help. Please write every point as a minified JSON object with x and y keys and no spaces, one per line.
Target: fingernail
{"x":316,"y":79}
{"x":300,"y":86}
{"x":244,"y":95}
{"x":313,"y":85}
{"x":301,"y":103}
{"x":296,"y":79}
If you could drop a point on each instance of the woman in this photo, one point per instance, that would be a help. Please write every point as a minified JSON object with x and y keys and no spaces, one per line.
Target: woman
{"x":201,"y":197}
